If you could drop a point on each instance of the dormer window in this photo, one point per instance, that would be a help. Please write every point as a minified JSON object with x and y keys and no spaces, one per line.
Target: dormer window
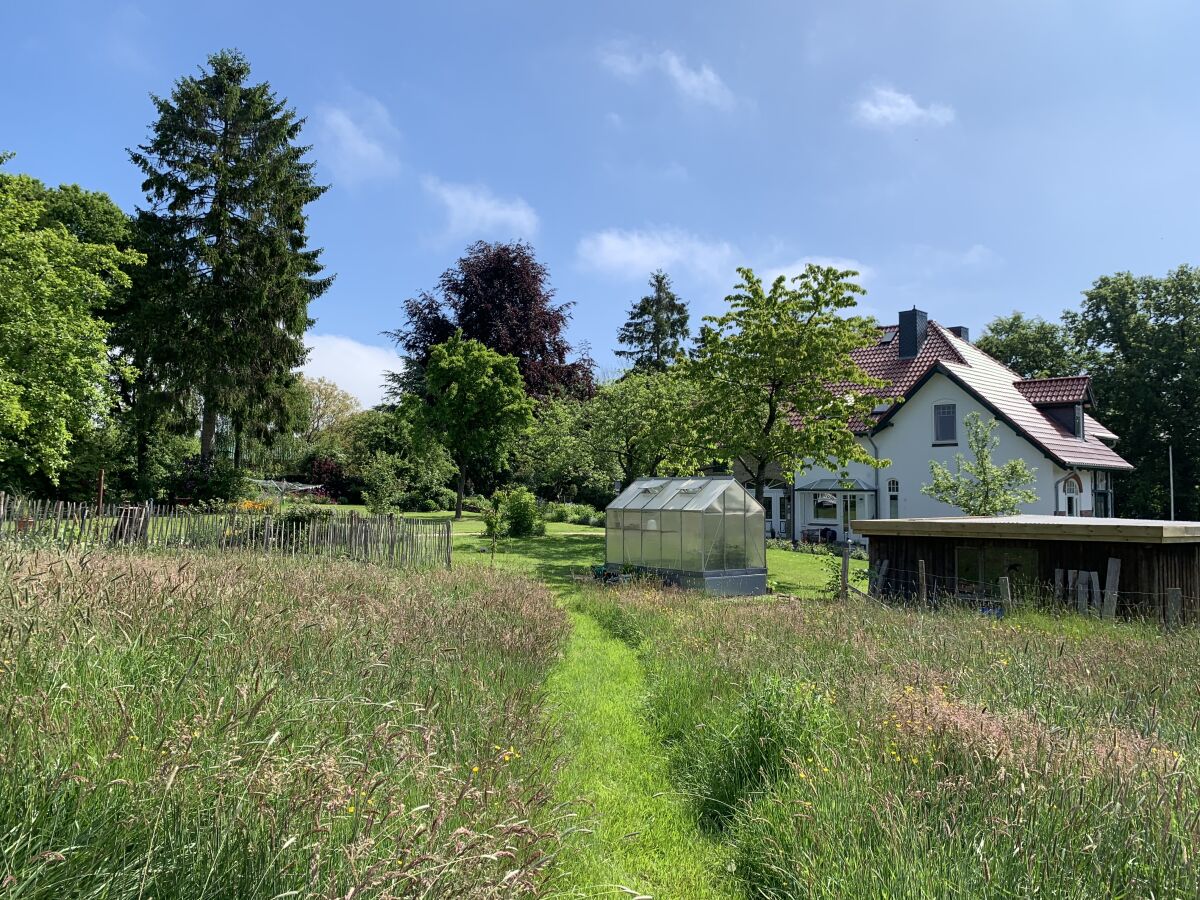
{"x":1079,"y":422}
{"x":945,"y":423}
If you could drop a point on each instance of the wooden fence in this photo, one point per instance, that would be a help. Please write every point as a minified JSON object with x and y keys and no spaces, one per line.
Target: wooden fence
{"x":386,"y":539}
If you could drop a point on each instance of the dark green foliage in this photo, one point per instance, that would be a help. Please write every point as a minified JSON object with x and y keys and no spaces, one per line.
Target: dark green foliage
{"x":203,"y":478}
{"x":1030,"y":346}
{"x":656,"y":332}
{"x":227,"y":182}
{"x":500,"y":295}
{"x":1141,"y":336}
{"x":519,"y":515}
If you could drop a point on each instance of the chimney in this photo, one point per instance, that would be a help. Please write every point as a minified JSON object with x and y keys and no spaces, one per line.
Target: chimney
{"x":913,"y":325}
{"x":961,"y":331}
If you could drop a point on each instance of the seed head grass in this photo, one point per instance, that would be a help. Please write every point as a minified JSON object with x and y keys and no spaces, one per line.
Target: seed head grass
{"x":206,"y":726}
{"x":853,"y":749}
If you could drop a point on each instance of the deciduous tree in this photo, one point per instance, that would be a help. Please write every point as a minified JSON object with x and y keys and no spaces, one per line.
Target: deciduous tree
{"x":978,"y":486}
{"x":500,"y":295}
{"x":328,"y":406}
{"x":477,"y":406}
{"x":644,"y":424}
{"x":1141,"y":335}
{"x":1030,"y":346}
{"x":54,"y":365}
{"x":774,"y":379}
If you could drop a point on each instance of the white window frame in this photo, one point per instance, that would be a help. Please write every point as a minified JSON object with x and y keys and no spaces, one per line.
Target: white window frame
{"x":939,"y":417}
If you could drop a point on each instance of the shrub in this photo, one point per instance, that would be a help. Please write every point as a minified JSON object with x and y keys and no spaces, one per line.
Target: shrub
{"x":384,"y":489}
{"x":513,"y":513}
{"x":209,"y":478}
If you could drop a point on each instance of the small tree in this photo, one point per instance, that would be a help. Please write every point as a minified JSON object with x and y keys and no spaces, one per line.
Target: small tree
{"x":477,"y":407}
{"x":982,"y":488}
{"x":774,"y":377}
{"x":657,"y":328}
{"x":644,"y":425}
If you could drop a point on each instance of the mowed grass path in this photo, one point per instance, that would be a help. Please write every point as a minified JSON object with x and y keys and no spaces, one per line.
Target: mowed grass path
{"x":635,"y":837}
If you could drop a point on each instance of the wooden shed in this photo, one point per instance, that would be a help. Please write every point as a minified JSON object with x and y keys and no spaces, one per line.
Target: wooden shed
{"x":1121,"y":566}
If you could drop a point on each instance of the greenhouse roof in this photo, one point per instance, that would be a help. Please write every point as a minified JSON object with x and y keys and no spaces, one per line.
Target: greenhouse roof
{"x":674,"y":493}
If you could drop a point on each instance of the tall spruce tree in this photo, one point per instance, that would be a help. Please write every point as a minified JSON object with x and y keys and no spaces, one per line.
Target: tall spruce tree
{"x":227,"y":183}
{"x":657,"y":328}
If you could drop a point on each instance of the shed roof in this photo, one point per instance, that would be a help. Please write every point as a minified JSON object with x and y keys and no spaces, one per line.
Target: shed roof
{"x":689,"y":494}
{"x":1037,"y":528}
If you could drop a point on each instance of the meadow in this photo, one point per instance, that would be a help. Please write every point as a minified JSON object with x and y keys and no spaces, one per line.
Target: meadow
{"x":198,"y":725}
{"x":205,"y":726}
{"x":856,"y":750}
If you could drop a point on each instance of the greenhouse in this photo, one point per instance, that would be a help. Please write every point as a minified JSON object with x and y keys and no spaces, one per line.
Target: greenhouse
{"x":704,"y":533}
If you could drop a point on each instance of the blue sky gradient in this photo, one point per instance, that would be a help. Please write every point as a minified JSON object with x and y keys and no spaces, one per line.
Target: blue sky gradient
{"x":968,"y":158}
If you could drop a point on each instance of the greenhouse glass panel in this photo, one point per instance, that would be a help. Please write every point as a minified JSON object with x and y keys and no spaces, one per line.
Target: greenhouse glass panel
{"x":613,"y":537}
{"x":714,"y":541}
{"x":670,"y":528}
{"x":756,"y":539}
{"x":693,"y":542}
{"x":631,"y":528}
{"x":735,"y":529}
{"x":651,"y":540}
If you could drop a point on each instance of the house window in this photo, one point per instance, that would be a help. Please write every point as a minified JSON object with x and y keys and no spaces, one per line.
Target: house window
{"x":893,"y":487}
{"x":945,"y":423}
{"x":1079,"y":422}
{"x":824,"y":507}
{"x":1071,"y":494}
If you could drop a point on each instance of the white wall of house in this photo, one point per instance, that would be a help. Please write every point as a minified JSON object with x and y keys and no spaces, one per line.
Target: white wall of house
{"x":909,"y":443}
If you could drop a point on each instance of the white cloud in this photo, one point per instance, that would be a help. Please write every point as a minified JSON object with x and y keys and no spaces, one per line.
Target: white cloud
{"x":356,"y":139}
{"x":886,"y":107}
{"x":700,"y":85}
{"x":634,"y":253}
{"x":474,"y":211}
{"x":793,"y":269}
{"x":614,"y":120}
{"x":351,"y":365}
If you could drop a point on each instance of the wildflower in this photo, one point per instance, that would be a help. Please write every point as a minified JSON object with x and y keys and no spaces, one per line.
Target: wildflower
{"x":802,"y":775}
{"x":475,"y":770}
{"x":350,"y":808}
{"x":915,"y":760}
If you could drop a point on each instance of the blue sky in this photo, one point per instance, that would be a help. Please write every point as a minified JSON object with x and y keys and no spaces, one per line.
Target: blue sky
{"x":968,"y":158}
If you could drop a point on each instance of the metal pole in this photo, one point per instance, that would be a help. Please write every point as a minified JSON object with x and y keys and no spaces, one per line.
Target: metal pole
{"x":1171,"y":471}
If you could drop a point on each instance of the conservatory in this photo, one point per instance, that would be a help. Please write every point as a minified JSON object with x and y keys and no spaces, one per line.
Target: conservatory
{"x":705,"y":533}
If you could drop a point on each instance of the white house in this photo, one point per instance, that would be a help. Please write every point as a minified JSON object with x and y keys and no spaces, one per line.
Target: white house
{"x":942,"y":377}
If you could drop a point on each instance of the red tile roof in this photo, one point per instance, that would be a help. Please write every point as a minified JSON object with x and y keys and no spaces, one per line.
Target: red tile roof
{"x":1056,"y":391}
{"x":1010,"y":397}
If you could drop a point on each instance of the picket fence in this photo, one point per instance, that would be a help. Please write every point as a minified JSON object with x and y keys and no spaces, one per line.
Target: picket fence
{"x":384,"y":539}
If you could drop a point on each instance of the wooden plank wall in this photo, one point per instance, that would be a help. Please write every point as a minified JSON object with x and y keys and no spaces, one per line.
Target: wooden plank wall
{"x":1147,"y":571}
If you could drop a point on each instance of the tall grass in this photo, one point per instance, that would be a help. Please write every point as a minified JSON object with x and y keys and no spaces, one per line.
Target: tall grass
{"x":859,"y":750}
{"x":261,"y":728}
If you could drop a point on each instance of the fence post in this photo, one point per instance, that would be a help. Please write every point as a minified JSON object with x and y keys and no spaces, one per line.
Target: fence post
{"x":1109,"y":610}
{"x":1081,"y":593}
{"x":1005,"y":592}
{"x":922,"y":593}
{"x":267,"y":533}
{"x":845,"y":573}
{"x":1174,"y":607}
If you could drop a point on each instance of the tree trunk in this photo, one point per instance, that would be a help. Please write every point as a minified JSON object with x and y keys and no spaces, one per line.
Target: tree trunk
{"x":760,"y":480}
{"x":237,"y":446}
{"x":208,"y":429}
{"x":458,"y":500}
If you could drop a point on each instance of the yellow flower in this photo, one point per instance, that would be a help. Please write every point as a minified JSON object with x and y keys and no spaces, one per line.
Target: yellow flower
{"x":475,"y":769}
{"x":350,"y":808}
